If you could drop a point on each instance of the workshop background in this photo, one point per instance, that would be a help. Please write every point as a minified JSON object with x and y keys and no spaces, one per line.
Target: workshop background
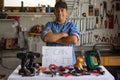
{"x":98,"y":21}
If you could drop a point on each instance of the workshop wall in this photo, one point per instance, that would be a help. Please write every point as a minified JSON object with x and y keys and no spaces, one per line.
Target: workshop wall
{"x":94,"y":20}
{"x":27,"y":22}
{"x":9,"y":60}
{"x":92,"y":32}
{"x":8,"y":30}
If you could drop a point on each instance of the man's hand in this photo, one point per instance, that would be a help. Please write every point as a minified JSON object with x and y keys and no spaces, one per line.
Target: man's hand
{"x":53,"y":37}
{"x":64,"y":34}
{"x":49,"y":30}
{"x":71,"y":39}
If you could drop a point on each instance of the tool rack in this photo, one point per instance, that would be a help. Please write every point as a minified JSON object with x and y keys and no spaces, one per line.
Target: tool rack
{"x":91,"y":16}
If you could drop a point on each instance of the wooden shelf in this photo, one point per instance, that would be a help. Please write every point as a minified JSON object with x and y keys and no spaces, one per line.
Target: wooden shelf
{"x":29,"y":13}
{"x":7,"y":19}
{"x":34,"y":34}
{"x":110,"y":60}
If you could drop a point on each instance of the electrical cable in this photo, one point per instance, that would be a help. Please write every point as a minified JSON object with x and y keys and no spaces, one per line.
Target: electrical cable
{"x":1,"y":61}
{"x":1,"y":54}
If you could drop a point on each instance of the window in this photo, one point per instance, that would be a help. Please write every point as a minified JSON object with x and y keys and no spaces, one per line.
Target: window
{"x":28,"y":3}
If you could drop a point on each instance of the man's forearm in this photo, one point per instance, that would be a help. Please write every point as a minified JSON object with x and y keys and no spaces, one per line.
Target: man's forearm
{"x":68,"y":40}
{"x":53,"y":37}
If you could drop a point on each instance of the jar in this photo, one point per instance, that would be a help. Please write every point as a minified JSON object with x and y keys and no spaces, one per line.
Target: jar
{"x":43,"y":8}
{"x":48,"y":10}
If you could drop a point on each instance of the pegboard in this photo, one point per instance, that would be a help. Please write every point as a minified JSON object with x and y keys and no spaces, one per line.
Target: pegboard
{"x":94,"y":21}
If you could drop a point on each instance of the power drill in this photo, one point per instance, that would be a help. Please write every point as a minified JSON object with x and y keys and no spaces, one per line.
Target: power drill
{"x":27,"y":68}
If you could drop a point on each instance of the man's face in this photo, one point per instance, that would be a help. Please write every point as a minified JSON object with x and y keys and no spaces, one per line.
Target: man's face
{"x":61,"y":14}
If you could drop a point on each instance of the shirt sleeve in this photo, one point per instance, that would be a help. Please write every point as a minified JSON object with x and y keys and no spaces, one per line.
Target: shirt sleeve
{"x":44,"y":31}
{"x":74,"y":30}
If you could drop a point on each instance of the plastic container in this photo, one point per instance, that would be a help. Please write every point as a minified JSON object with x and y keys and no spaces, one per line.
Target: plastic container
{"x":48,"y":10}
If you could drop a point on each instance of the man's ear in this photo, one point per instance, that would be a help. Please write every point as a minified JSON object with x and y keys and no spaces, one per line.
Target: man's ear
{"x":54,"y":12}
{"x":66,"y":11}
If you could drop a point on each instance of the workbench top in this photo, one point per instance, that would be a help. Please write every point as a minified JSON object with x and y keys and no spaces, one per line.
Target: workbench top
{"x":102,"y":53}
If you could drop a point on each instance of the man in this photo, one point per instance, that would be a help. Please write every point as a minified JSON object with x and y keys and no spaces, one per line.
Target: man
{"x":61,"y":32}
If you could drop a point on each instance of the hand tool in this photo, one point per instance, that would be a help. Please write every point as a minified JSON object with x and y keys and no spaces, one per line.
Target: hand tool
{"x":86,"y":24}
{"x":104,"y":8}
{"x":84,"y":14}
{"x":91,"y":37}
{"x":101,"y":21}
{"x":82,"y":24}
{"x":89,"y":24}
{"x":92,"y":24}
{"x":88,"y":37}
{"x":90,"y":10}
{"x":106,"y":23}
{"x":112,"y":9}
{"x":81,"y":40}
{"x":103,"y":39}
{"x":116,"y":20}
{"x":110,"y":16}
{"x":101,"y":15}
{"x":101,"y":5}
{"x":96,"y":11}
{"x":117,"y":6}
{"x":97,"y":21}
{"x":110,"y":20}
{"x":89,"y":1}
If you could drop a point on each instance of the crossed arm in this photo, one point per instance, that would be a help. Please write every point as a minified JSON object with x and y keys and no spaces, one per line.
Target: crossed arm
{"x":62,"y":38}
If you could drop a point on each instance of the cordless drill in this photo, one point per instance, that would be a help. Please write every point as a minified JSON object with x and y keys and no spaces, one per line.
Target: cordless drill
{"x":27,"y":68}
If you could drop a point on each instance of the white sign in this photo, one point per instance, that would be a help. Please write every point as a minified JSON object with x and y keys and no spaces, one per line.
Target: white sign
{"x":61,"y":56}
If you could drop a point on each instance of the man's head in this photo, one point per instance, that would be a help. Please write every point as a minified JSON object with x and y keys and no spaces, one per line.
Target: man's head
{"x":61,"y":4}
{"x":60,"y":11}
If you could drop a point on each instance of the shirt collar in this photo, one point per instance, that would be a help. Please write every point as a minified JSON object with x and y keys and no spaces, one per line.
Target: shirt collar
{"x":62,"y":24}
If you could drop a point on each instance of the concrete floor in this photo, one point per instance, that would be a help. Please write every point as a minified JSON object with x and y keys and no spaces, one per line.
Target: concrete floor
{"x":8,"y":63}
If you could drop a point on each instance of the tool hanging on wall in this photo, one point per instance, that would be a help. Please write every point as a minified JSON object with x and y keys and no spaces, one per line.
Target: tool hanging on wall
{"x":106,"y":23}
{"x":105,"y":13}
{"x":87,"y":24}
{"x":97,"y":21}
{"x":117,"y":21}
{"x":101,"y":15}
{"x":90,"y":2}
{"x":110,"y":20}
{"x":117,"y":6}
{"x":96,"y":11}
{"x":90,"y":10}
{"x":101,"y":21}
{"x":110,"y":16}
{"x":104,"y":8}
{"x":112,"y":9}
{"x":101,"y":6}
